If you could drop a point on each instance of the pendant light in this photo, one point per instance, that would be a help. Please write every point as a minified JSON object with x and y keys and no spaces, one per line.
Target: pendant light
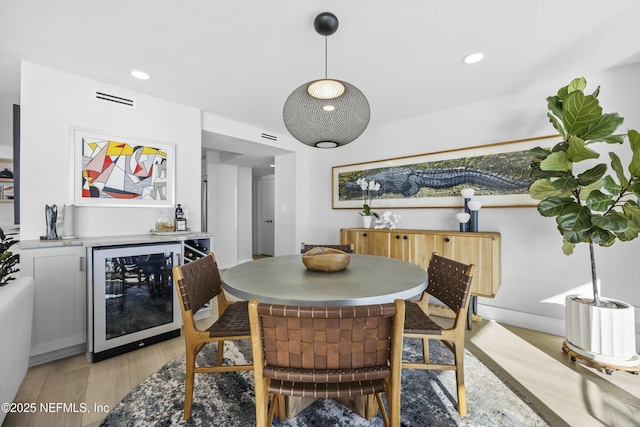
{"x":326,"y":113}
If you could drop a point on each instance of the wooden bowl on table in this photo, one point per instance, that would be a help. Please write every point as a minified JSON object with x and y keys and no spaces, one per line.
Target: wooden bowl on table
{"x":326,"y":259}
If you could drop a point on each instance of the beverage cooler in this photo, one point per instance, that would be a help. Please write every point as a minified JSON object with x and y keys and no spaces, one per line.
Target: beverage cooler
{"x":132,"y":300}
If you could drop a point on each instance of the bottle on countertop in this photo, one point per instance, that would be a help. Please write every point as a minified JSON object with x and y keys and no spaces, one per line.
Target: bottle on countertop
{"x":180,"y":220}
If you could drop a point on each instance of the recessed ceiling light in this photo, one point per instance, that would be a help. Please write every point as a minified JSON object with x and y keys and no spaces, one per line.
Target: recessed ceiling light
{"x":140,"y":75}
{"x":473,"y":58}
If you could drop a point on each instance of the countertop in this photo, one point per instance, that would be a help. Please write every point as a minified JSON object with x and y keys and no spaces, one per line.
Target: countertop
{"x":113,"y":240}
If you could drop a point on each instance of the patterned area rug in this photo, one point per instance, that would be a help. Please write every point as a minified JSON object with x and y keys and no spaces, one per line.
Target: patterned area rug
{"x":227,"y":399}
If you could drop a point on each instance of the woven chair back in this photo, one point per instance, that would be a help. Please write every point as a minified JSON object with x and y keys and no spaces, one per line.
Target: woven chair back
{"x":201,"y":283}
{"x":326,"y":344}
{"x":448,"y":282}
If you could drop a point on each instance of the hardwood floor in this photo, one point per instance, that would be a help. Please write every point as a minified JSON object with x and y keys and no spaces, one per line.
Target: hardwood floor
{"x":566,"y":393}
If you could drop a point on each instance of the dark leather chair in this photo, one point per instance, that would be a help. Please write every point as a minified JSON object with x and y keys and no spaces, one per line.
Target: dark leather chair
{"x":326,"y":352}
{"x":198,"y":282}
{"x":449,"y":282}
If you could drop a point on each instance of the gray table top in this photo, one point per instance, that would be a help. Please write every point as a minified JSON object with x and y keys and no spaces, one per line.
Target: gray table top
{"x":285,"y":280}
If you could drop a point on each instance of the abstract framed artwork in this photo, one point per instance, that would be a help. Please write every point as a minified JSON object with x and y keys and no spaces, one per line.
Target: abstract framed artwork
{"x":110,"y":170}
{"x":499,"y":173}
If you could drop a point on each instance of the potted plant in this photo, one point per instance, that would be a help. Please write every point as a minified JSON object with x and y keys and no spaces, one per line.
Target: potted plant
{"x":369,"y":189}
{"x":594,"y":205}
{"x":8,"y":260}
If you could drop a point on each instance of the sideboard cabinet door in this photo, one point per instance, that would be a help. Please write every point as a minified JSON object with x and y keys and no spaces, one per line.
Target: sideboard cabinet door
{"x":60,"y":310}
{"x":480,"y":250}
{"x":417,"y":246}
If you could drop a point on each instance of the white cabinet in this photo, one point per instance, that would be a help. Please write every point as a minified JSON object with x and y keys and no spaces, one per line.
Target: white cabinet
{"x":60,"y":311}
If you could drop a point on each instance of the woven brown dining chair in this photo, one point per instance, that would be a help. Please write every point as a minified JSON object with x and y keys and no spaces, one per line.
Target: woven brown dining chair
{"x":326,"y":352}
{"x":304,"y":247}
{"x":449,"y":282}
{"x":197,"y":283}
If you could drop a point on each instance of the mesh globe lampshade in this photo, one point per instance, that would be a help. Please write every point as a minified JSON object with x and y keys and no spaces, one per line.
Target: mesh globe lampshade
{"x":326,"y":113}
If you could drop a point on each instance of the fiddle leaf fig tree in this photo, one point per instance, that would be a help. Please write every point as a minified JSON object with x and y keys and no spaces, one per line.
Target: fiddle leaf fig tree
{"x":592,"y":202}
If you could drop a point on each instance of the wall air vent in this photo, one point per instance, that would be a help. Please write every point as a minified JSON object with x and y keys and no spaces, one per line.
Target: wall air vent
{"x":113,"y":99}
{"x":269,"y":137}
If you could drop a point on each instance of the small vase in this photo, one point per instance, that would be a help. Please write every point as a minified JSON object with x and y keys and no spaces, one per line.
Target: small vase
{"x":366,"y":221}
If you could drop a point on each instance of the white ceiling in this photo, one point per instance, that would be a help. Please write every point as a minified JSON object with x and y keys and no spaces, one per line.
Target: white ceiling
{"x":240,"y":59}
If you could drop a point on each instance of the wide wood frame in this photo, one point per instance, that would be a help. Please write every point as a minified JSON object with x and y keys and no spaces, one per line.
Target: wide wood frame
{"x":509,"y":160}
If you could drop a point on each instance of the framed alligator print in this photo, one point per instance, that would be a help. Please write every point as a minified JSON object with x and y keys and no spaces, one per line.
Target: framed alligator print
{"x":499,"y":173}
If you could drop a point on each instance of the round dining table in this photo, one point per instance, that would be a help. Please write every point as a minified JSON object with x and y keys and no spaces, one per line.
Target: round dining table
{"x":368,"y":279}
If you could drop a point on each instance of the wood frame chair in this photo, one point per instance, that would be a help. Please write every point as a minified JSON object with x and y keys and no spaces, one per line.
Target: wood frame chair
{"x":449,"y":282}
{"x":326,"y":352}
{"x":197,"y":283}
{"x":344,"y":248}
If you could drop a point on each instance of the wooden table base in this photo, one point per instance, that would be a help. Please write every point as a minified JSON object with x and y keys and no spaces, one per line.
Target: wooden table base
{"x":365,"y":406}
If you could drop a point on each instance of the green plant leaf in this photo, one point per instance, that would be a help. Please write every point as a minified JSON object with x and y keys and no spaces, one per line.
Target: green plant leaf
{"x":616,"y":165}
{"x":635,"y":187}
{"x":554,"y":104}
{"x":541,"y":189}
{"x":554,"y":206}
{"x":602,"y":128}
{"x":579,"y":83}
{"x":631,"y":211}
{"x":575,"y":236}
{"x":600,"y":236}
{"x":580,"y":111}
{"x":560,"y":146}
{"x":557,"y":161}
{"x":575,"y":220}
{"x":578,"y":150}
{"x":614,"y":221}
{"x":598,"y":201}
{"x":556,"y":123}
{"x":634,"y":140}
{"x":592,"y":175}
{"x":565,"y":184}
{"x":539,"y":153}
{"x":585,"y":190}
{"x":611,"y":186}
{"x":567,"y":247}
{"x":634,"y":165}
{"x":610,"y":139}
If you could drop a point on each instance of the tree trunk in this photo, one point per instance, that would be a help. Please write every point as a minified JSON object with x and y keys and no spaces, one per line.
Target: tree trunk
{"x":594,"y":277}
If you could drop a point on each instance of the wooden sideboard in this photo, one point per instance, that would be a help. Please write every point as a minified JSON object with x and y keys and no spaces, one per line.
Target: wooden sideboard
{"x":416,"y":246}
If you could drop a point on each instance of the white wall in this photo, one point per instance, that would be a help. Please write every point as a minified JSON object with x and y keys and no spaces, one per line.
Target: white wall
{"x":53,"y":101}
{"x":290,"y":180}
{"x":245,"y":215}
{"x":534,"y":268}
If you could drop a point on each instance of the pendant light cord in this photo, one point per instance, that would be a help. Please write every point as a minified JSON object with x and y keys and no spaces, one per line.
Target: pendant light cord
{"x":325,"y":57}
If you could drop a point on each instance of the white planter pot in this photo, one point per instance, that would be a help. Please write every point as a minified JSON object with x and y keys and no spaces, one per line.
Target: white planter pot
{"x":603,"y":334}
{"x":366,"y":221}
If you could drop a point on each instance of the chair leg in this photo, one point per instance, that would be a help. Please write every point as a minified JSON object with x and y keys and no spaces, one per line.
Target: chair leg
{"x":189,"y":379}
{"x":425,"y":350}
{"x":383,"y":412}
{"x":277,"y":406}
{"x":262,"y":402}
{"x":462,"y":395}
{"x":220,"y":352}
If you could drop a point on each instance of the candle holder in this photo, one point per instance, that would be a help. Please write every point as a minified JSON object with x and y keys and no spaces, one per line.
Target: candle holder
{"x":467,"y":194}
{"x":463,"y":219}
{"x":474,"y":207}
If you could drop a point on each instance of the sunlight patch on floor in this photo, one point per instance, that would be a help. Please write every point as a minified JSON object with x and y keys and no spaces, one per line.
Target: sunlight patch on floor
{"x":577,"y":399}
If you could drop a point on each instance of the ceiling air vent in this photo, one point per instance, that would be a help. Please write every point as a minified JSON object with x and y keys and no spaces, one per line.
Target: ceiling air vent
{"x":113,"y":99}
{"x":269,"y":137}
